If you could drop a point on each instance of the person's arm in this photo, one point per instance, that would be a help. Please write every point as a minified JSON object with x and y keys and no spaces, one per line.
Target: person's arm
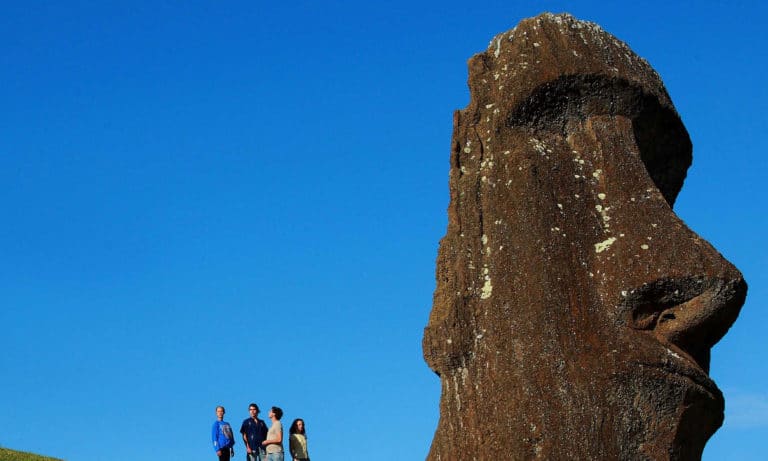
{"x":278,"y":439}
{"x":292,"y":442}
{"x":232,"y":442}
{"x":245,"y":437}
{"x":215,"y":437}
{"x":262,"y":432}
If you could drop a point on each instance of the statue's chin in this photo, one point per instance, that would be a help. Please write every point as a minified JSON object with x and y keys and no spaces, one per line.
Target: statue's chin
{"x":679,"y":408}
{"x":701,"y":415}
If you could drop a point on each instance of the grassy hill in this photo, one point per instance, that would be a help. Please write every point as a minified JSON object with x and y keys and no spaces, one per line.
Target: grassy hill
{"x":11,"y":455}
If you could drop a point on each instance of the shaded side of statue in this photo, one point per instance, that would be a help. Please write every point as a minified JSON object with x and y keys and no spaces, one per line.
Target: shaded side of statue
{"x":574,"y":312}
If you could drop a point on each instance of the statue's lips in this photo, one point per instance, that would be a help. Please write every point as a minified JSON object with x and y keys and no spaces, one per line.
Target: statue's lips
{"x":686,"y":316}
{"x":679,"y":328}
{"x":678,"y":364}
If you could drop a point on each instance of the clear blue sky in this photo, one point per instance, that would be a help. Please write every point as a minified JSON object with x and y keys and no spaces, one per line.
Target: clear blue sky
{"x":213,"y":203}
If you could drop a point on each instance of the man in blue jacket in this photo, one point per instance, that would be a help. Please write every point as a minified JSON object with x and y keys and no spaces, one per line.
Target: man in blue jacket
{"x":223,"y":439}
{"x":254,"y":432}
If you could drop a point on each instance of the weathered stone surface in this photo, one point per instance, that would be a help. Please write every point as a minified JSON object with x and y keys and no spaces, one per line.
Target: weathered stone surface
{"x":574,"y":311}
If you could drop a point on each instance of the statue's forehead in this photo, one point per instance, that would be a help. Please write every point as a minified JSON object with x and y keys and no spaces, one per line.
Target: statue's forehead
{"x":553,"y":69}
{"x":541,"y":51}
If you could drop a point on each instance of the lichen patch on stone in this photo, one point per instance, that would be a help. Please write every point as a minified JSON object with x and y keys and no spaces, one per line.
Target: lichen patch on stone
{"x":487,"y":289}
{"x":604,"y":245}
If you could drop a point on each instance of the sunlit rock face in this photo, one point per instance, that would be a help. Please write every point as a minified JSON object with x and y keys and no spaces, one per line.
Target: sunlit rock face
{"x":574,"y":311}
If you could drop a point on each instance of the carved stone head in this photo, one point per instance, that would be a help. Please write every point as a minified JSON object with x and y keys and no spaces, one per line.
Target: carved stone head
{"x":574,"y":312}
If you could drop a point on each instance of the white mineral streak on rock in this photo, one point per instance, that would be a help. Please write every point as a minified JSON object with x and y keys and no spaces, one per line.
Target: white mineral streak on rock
{"x":604,"y":245}
{"x":487,"y":289}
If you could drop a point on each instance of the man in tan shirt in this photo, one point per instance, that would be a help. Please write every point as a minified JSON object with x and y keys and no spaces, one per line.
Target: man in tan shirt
{"x":274,"y":442}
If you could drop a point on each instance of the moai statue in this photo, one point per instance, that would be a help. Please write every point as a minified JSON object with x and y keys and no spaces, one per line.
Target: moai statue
{"x":574,"y":312}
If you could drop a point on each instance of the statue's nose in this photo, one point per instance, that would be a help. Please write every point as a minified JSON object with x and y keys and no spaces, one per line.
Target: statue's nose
{"x":686,"y":293}
{"x":670,"y":281}
{"x":691,"y":313}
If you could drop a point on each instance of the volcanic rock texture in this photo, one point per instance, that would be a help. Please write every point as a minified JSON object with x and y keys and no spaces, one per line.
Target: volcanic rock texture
{"x":574,"y":311}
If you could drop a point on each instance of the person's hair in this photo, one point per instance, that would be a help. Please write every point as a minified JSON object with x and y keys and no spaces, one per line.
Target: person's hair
{"x":295,"y":427}
{"x":278,"y":412}
{"x":254,"y":406}
{"x":221,"y":408}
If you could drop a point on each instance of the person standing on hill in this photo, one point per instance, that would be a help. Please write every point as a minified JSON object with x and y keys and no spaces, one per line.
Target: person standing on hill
{"x":254,"y":432}
{"x":297,"y":440}
{"x":274,"y":442}
{"x":223,"y":439}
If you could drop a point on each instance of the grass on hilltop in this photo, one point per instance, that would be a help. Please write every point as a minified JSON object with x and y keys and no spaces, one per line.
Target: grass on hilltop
{"x":11,"y":455}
